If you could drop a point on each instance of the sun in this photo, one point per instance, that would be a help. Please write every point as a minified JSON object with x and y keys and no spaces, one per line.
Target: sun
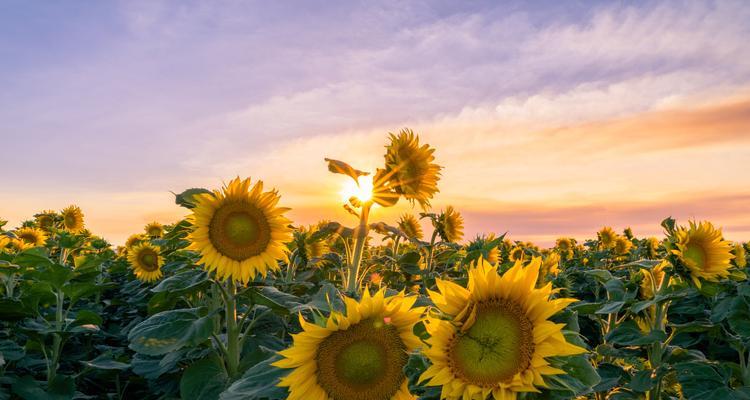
{"x":363,"y":191}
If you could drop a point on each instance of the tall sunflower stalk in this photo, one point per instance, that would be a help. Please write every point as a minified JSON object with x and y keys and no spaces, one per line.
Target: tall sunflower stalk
{"x":698,"y":254}
{"x":409,"y":172}
{"x":240,"y":235}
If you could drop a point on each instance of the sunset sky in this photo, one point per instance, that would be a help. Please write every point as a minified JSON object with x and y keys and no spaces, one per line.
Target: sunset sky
{"x":550,"y":118}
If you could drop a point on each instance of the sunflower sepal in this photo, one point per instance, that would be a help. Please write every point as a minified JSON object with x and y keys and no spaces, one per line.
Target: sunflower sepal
{"x":188,"y":197}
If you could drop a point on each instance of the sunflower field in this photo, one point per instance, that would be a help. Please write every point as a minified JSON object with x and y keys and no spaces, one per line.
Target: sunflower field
{"x":236,"y":301}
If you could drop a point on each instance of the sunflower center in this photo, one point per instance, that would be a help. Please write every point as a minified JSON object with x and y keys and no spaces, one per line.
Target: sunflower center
{"x":696,"y":254}
{"x":45,"y":221}
{"x":70,"y":220}
{"x":361,"y":362}
{"x":498,"y":345}
{"x":364,"y":362}
{"x":239,"y":231}
{"x":149,"y":260}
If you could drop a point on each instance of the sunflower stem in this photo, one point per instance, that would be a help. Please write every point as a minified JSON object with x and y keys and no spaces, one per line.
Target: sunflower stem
{"x":657,"y":348}
{"x":233,"y":332}
{"x":57,"y":337}
{"x":362,"y":230}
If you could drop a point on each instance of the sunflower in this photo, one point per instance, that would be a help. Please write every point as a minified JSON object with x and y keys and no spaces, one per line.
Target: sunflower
{"x":146,"y":262}
{"x":239,"y":231}
{"x":564,"y":244}
{"x":740,"y":260}
{"x":482,"y":245}
{"x":703,"y":250}
{"x":72,"y":219}
{"x":652,"y":281}
{"x":493,"y":256}
{"x":622,"y":245}
{"x":410,"y":226}
{"x":360,"y":355}
{"x":134,"y":240}
{"x":45,"y":219}
{"x":5,"y":241}
{"x":517,"y":253}
{"x":309,"y":245}
{"x":450,"y":225}
{"x":32,"y":237}
{"x":154,"y":229}
{"x":652,"y":247}
{"x":607,"y":237}
{"x":550,"y":267}
{"x":499,"y":336}
{"x":409,"y":168}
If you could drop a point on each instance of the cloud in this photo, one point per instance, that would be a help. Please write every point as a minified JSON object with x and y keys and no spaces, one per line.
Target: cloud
{"x":563,"y":106}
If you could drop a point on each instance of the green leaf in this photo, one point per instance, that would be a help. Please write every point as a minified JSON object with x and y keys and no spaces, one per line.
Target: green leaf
{"x":88,"y":262}
{"x":171,"y":330}
{"x":86,"y":317}
{"x":56,"y":275}
{"x":580,"y":377}
{"x":184,"y":281}
{"x":11,"y":351}
{"x":600,"y":275}
{"x":61,"y":388}
{"x":107,"y":364}
{"x":276,"y":300}
{"x":642,"y":381}
{"x":611,"y":375}
{"x":34,"y":258}
{"x":628,"y":334}
{"x":610,"y":307}
{"x":702,"y":381}
{"x":340,"y":167}
{"x":11,"y":309}
{"x":258,"y":382}
{"x":204,"y":380}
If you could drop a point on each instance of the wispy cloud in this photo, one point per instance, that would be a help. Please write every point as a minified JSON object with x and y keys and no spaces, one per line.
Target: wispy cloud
{"x":561,"y":105}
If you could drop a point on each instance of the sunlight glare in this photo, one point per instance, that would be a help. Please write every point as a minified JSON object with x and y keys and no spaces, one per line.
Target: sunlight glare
{"x":363,"y":192}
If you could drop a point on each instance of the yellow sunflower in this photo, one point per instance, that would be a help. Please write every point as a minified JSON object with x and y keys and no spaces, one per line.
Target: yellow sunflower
{"x":499,"y":336}
{"x":740,"y":259}
{"x":146,"y":262}
{"x":450,"y":225}
{"x":154,"y":229}
{"x":409,"y":168}
{"x":564,"y":244}
{"x":550,"y":267}
{"x":45,"y":219}
{"x":410,"y":226}
{"x":493,"y":256}
{"x":607,"y":237}
{"x":622,"y":245}
{"x":5,"y":241}
{"x":703,"y":250}
{"x":316,"y":248}
{"x":72,"y":219}
{"x":32,"y":237}
{"x":516,"y":254}
{"x":652,"y":247}
{"x":134,"y":240}
{"x":360,"y":355}
{"x":239,"y":231}
{"x":650,"y":284}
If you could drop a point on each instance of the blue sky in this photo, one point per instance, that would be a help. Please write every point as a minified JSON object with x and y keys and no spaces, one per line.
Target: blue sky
{"x":114,"y":104}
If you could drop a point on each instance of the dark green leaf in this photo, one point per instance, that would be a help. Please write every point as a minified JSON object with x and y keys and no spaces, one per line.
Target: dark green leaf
{"x":171,"y":330}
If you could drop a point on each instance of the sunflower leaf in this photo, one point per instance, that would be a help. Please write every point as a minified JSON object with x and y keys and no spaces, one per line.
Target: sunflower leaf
{"x":340,"y":167}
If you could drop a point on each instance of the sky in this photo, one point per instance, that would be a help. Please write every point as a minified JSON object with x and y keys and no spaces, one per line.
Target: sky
{"x":550,"y":118}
